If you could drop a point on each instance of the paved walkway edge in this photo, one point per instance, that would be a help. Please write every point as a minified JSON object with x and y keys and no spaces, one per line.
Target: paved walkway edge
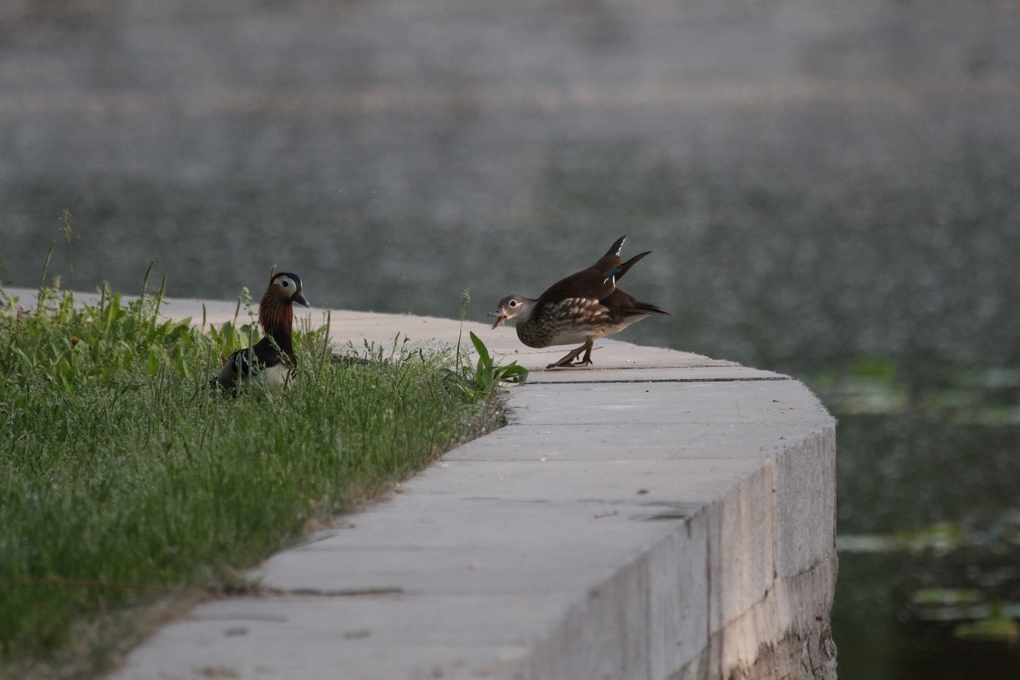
{"x":760,"y":618}
{"x":661,"y":516}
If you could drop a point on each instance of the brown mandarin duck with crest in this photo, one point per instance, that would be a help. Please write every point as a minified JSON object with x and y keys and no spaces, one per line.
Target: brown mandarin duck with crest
{"x":271,"y":359}
{"x":581,"y":308}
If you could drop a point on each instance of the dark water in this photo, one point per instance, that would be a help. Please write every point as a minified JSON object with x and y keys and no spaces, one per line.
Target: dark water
{"x":830,"y":189}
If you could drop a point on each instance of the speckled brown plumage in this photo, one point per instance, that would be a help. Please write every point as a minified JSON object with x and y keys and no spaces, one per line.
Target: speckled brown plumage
{"x":580,"y":308}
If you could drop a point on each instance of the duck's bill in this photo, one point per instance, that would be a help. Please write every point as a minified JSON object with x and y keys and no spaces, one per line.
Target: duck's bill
{"x":299,"y":298}
{"x":500,"y":318}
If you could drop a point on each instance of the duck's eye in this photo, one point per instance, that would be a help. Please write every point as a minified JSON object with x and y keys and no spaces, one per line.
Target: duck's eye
{"x":285,"y":283}
{"x":513,"y":303}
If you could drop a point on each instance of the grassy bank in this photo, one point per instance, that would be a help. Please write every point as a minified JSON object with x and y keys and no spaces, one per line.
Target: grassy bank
{"x":124,"y":477}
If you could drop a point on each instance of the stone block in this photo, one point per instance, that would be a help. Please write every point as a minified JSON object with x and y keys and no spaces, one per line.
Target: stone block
{"x":741,"y":546}
{"x":806,"y":510}
{"x":678,"y":592}
{"x":602,"y":637}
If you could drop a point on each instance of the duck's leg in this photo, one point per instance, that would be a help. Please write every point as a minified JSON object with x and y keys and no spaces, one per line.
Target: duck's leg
{"x":567,"y":361}
{"x":586,"y":361}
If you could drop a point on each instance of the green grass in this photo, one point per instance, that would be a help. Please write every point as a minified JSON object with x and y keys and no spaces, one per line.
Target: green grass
{"x":124,"y":477}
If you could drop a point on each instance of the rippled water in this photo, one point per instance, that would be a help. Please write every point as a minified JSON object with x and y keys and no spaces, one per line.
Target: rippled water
{"x":830,"y":189}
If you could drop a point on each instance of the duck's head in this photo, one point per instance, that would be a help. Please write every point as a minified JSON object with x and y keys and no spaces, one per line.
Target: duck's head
{"x":286,"y":287}
{"x":276,"y":311}
{"x":512,"y":306}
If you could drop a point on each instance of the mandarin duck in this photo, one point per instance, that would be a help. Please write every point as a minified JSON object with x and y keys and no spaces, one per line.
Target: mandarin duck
{"x":581,"y":308}
{"x":271,"y":359}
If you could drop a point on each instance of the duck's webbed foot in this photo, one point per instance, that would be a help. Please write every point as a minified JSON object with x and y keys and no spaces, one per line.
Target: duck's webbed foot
{"x":567,"y":361}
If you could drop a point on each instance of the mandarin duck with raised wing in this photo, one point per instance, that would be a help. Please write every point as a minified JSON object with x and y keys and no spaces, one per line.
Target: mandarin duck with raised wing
{"x":581,"y":308}
{"x":271,"y":360}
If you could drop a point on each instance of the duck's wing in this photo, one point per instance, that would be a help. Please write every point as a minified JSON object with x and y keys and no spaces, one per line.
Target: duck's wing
{"x":264,"y":359}
{"x":593,"y":283}
{"x":237,"y":368}
{"x":623,"y":305}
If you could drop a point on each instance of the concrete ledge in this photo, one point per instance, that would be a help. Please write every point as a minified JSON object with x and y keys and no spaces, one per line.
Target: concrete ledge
{"x":662,"y":516}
